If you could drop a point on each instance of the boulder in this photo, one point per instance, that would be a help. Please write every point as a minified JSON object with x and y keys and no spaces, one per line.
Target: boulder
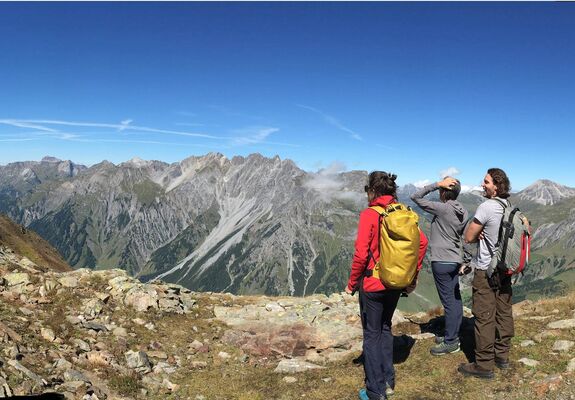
{"x":17,"y":278}
{"x":138,"y":361}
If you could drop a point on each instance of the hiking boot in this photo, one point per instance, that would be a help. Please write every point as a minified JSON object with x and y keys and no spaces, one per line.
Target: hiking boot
{"x":439,"y":339}
{"x":472,"y":369}
{"x":444,"y":348}
{"x":502,"y":364}
{"x":363,"y":394}
{"x":389,"y":390}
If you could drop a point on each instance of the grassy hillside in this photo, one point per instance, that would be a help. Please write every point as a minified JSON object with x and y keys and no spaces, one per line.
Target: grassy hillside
{"x":27,"y":243}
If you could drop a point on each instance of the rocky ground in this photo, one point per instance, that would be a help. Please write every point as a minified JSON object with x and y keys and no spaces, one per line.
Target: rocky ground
{"x":103,"y":335}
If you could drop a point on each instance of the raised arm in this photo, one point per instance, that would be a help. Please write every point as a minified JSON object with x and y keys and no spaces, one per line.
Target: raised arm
{"x":433,"y":207}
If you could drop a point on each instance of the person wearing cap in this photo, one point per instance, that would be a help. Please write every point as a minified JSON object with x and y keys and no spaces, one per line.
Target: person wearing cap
{"x":447,"y":255}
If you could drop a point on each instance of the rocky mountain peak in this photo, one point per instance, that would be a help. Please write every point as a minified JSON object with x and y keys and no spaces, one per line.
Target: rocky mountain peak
{"x":50,"y":159}
{"x":546,"y":192}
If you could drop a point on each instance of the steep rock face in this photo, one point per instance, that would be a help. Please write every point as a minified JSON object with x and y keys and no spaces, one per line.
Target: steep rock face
{"x":546,"y":192}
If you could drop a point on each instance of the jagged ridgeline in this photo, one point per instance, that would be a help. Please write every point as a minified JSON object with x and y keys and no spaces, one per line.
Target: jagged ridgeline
{"x":247,"y":225}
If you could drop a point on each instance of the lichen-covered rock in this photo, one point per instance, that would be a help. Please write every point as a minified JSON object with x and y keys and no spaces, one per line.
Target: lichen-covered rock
{"x":138,"y":361}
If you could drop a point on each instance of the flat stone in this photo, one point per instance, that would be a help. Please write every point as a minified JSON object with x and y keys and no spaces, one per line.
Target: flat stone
{"x":62,"y":364}
{"x":290,"y":366}
{"x":529,"y":362}
{"x":562,"y":324}
{"x":223,"y":355}
{"x":563,"y":345}
{"x":538,"y":318}
{"x":73,"y":319}
{"x":196,"y":344}
{"x":69,"y":281}
{"x":141,"y":299}
{"x":571,"y":365}
{"x":425,"y":335}
{"x":72,"y":375}
{"x":198,"y":364}
{"x":289,"y":379}
{"x":526,"y":343}
{"x":94,"y":326}
{"x":161,"y":355}
{"x":26,"y":311}
{"x":274,"y":307}
{"x":120,"y":332}
{"x":164,"y":367}
{"x":81,"y":345}
{"x":17,"y":278}
{"x":47,"y":334}
{"x":545,"y":334}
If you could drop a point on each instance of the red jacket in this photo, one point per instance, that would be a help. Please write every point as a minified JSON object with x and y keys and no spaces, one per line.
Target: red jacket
{"x":367,"y":238}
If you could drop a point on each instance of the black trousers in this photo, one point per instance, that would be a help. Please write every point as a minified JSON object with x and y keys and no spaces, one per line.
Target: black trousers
{"x":376,"y":312}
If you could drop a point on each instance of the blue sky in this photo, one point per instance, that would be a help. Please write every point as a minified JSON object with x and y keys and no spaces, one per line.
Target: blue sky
{"x":413,"y":88}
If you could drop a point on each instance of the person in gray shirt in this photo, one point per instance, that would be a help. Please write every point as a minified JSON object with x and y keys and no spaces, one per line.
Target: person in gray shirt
{"x":447,"y":255}
{"x":492,"y":291}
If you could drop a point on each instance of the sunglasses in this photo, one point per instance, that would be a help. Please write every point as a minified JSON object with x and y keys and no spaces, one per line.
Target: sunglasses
{"x":366,"y":188}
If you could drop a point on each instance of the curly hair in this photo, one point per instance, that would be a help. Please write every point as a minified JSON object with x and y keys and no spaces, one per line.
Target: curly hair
{"x":501,"y":181}
{"x":383,"y":183}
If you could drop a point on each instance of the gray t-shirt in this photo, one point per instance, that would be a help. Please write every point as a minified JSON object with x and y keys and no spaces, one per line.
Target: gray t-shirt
{"x":489,"y":215}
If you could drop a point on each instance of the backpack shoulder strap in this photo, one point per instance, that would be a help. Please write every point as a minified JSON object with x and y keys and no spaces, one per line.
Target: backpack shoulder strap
{"x":380,"y":210}
{"x":503,"y":203}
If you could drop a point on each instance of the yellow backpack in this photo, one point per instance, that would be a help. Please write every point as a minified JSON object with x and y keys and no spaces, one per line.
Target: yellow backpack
{"x":398,"y":245}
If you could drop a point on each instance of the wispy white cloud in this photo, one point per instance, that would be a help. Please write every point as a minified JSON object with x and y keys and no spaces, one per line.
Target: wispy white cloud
{"x":59,"y":129}
{"x":41,"y":125}
{"x":422,"y":183}
{"x":328,"y":183}
{"x":255,"y":136}
{"x":469,"y":188}
{"x":332,"y":121}
{"x":451,"y":171}
{"x":124,"y":124}
{"x":17,"y":140}
{"x":139,"y":141}
{"x":252,"y":135}
{"x":26,"y":124}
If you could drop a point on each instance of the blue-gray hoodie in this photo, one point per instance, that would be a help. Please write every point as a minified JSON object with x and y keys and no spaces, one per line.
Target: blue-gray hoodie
{"x":449,"y":221}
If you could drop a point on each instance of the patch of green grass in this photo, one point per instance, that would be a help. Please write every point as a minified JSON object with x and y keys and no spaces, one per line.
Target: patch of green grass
{"x":126,"y":385}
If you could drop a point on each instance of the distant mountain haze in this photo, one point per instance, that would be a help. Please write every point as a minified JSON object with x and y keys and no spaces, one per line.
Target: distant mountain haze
{"x":246,"y":225}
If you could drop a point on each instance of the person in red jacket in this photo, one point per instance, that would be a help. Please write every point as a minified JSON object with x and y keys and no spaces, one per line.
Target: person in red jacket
{"x":377,"y":304}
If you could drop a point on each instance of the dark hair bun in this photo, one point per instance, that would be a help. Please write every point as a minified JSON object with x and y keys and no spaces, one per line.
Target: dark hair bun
{"x":383,"y":183}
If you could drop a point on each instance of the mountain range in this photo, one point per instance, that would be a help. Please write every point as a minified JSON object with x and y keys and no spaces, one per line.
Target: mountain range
{"x":246,"y":225}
